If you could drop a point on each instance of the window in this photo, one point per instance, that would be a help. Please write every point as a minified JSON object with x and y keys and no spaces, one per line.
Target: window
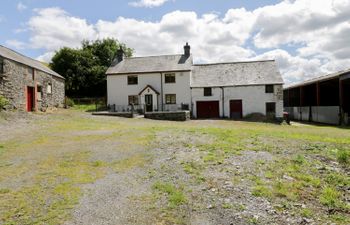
{"x":133,"y":99}
{"x":207,"y":92}
{"x":132,"y":80}
{"x":170,"y":78}
{"x":270,"y":108}
{"x":2,"y":65}
{"x":49,"y":88}
{"x":39,"y":91}
{"x":269,"y":88}
{"x":170,"y":99}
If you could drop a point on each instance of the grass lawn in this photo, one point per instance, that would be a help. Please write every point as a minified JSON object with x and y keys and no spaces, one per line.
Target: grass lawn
{"x":55,"y":168}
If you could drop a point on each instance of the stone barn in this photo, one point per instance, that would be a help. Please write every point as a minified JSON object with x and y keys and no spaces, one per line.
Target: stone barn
{"x":28,"y":84}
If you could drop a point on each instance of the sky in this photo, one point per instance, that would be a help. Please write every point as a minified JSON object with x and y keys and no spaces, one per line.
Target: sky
{"x":307,"y":38}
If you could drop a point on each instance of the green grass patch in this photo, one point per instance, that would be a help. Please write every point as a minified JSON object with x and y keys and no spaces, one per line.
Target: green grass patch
{"x":55,"y":191}
{"x":330,"y":197}
{"x":343,"y":156}
{"x":175,"y":195}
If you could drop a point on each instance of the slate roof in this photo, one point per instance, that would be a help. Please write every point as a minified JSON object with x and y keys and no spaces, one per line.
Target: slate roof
{"x":151,"y":64}
{"x":236,"y":74}
{"x":17,"y":57}
{"x":319,"y":79}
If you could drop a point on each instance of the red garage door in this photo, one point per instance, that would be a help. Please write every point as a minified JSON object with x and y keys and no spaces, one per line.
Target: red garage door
{"x":208,"y":109}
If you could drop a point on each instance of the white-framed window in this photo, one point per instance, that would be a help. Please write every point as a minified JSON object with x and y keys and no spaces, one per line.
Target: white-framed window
{"x":170,"y":99}
{"x":269,"y":88}
{"x":207,"y":91}
{"x":133,"y":99}
{"x":132,"y":80}
{"x":49,"y":88}
{"x":170,"y":78}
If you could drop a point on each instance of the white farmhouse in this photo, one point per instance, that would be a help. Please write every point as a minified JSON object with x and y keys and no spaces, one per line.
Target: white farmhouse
{"x":173,"y":82}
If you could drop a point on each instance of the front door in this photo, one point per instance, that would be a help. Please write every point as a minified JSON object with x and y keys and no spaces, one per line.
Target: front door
{"x":149,"y":103}
{"x":236,"y":109}
{"x":30,"y":99}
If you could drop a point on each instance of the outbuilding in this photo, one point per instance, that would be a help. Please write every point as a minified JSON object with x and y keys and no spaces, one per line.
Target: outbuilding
{"x":325,"y":99}
{"x":28,"y":84}
{"x":237,"y":89}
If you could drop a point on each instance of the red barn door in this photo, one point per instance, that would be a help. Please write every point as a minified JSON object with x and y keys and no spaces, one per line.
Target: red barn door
{"x":30,"y":99}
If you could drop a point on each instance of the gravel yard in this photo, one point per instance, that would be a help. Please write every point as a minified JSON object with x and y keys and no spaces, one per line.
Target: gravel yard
{"x":69,"y":167}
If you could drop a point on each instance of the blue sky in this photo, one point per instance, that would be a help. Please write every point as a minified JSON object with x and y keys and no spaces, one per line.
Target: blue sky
{"x":297,"y":33}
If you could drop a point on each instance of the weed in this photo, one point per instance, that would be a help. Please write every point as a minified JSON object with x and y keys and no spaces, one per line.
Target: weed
{"x":261,"y":191}
{"x":330,"y":197}
{"x":343,"y":156}
{"x":299,"y":159}
{"x":306,"y":213}
{"x":175,"y":195}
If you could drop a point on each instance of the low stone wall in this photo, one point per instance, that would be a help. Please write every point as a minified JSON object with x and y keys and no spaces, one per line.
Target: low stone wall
{"x":172,"y":116}
{"x":120,"y":114}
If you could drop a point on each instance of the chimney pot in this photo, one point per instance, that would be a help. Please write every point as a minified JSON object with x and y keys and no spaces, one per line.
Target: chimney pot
{"x":120,"y":54}
{"x":187,"y":50}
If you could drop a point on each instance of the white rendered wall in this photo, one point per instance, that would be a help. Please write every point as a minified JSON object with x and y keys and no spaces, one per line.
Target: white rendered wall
{"x":320,"y":114}
{"x":198,"y":95}
{"x":118,"y":89}
{"x":253,"y":98}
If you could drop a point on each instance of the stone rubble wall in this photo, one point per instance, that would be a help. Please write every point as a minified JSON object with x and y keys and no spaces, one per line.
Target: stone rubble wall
{"x":16,"y":78}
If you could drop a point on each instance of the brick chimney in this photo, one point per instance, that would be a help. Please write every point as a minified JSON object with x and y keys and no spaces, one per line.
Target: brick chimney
{"x":120,"y":54}
{"x":187,"y":50}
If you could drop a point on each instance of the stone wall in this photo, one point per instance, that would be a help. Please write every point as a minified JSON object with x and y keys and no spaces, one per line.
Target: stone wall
{"x":17,"y":77}
{"x":173,"y":116}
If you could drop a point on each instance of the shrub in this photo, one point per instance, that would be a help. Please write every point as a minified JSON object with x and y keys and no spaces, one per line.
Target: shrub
{"x":69,"y":102}
{"x":3,"y":102}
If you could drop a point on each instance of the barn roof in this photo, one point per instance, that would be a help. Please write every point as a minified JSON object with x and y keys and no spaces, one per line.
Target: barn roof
{"x":319,"y":79}
{"x":17,"y":57}
{"x":236,"y":74}
{"x":151,"y":64}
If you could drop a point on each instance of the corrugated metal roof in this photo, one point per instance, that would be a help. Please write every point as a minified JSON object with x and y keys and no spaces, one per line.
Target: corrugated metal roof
{"x":236,"y":74}
{"x":164,"y":63}
{"x":17,"y":57}
{"x":319,"y":79}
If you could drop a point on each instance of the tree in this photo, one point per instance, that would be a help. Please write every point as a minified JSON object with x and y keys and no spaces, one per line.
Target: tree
{"x":84,"y":68}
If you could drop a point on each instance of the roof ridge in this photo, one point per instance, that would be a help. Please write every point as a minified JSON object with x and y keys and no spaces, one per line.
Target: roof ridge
{"x":236,"y":62}
{"x":31,"y":60}
{"x":154,"y":56}
{"x":23,"y":55}
{"x":321,"y":78}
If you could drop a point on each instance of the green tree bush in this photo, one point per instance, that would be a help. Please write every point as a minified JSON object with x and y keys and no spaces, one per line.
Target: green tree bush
{"x":84,"y":68}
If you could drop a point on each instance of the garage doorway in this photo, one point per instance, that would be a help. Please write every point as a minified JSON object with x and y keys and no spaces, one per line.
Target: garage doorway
{"x":208,"y":109}
{"x":236,"y":109}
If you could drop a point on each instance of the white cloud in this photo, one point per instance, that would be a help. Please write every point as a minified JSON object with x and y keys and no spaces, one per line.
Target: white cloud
{"x":211,"y":38}
{"x":21,"y":7}
{"x":317,"y":31}
{"x":52,"y":28}
{"x":46,"y":57}
{"x":16,"y":44}
{"x":148,"y":3}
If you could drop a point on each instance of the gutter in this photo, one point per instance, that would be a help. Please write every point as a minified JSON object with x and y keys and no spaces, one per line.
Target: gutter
{"x":161,"y":91}
{"x":223,"y":101}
